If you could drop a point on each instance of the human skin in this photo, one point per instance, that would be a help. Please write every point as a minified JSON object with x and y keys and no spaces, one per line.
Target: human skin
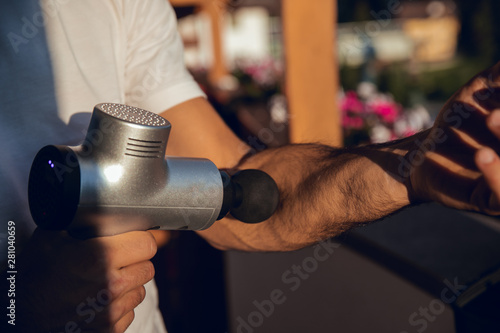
{"x":326,"y":190}
{"x":67,"y":285}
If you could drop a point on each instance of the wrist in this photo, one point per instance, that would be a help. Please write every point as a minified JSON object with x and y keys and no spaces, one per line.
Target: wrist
{"x":410,"y":164}
{"x":398,"y":160}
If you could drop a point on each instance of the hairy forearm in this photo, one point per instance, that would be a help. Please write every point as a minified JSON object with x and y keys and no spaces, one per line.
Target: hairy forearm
{"x":324,"y":192}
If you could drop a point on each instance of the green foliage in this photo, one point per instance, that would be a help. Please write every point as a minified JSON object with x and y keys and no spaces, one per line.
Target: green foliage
{"x":434,"y":82}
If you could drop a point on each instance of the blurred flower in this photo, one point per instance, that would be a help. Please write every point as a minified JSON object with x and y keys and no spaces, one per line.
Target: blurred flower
{"x":385,"y":108}
{"x":377,"y":118}
{"x":352,"y":122}
{"x":418,"y":118}
{"x":266,"y":72}
{"x":351,"y":103}
{"x":278,"y":109}
{"x":366,"y":90}
{"x":379,"y":133}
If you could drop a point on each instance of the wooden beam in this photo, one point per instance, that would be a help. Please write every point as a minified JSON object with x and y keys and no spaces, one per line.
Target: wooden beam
{"x":216,"y":10}
{"x":311,"y":70}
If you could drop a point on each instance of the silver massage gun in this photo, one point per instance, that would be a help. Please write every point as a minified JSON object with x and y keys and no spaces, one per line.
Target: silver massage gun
{"x":119,"y":180}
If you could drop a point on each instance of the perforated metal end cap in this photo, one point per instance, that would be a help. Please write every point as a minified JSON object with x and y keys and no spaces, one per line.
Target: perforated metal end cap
{"x":132,"y":114}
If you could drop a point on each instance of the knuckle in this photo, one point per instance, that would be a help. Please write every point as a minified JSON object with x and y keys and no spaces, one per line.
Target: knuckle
{"x":127,"y":303}
{"x":146,"y":244}
{"x":130,"y":317}
{"x":116,"y":284}
{"x":117,"y":310}
{"x":119,"y":281}
{"x":138,"y":295}
{"x":142,"y":293}
{"x":149,"y":270}
{"x":124,"y":323}
{"x":152,"y":244}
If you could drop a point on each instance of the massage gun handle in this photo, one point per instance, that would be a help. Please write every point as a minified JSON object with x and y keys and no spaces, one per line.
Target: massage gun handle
{"x":251,"y":196}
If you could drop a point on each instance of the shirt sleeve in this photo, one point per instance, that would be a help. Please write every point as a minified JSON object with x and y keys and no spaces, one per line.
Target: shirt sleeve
{"x":156,"y":77}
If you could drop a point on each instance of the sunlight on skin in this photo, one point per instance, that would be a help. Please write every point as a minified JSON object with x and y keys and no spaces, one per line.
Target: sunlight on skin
{"x":467,"y":139}
{"x":452,"y":166}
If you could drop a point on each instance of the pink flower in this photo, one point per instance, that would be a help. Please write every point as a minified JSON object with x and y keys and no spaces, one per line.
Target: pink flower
{"x":386,"y":109}
{"x":346,"y":121}
{"x":349,"y":122}
{"x":351,"y":103}
{"x":265,"y":72}
{"x":352,"y":109}
{"x":357,"y":122}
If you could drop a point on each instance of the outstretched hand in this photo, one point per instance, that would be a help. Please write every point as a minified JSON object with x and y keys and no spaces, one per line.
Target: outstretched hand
{"x":456,"y":162}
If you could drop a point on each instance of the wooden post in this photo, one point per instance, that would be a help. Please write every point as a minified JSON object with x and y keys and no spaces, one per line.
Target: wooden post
{"x":311,"y":70}
{"x":215,"y":9}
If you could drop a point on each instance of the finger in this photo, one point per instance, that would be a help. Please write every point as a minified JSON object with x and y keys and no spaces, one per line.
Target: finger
{"x":122,"y":325}
{"x":489,"y":164}
{"x":122,"y":307}
{"x":162,"y":237}
{"x":127,"y":248}
{"x":130,"y":277}
{"x":493,"y":122}
{"x":488,"y":98}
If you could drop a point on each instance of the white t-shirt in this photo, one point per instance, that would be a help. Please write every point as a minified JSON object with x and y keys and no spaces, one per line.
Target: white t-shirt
{"x":123,"y":51}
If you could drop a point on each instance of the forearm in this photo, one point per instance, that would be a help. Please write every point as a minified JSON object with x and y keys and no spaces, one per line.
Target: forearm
{"x":324,"y":192}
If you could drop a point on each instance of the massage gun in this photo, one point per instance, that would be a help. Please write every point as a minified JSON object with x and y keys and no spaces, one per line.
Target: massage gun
{"x":119,"y":180}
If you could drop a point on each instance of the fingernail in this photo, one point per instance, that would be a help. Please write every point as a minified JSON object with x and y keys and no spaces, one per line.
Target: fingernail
{"x":495,"y":119}
{"x":486,"y":156}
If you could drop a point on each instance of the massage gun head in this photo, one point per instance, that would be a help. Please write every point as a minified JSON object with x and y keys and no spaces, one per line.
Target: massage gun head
{"x":118,"y":180}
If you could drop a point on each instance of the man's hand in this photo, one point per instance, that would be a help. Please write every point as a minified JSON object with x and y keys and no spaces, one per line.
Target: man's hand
{"x":456,"y":162}
{"x":65,"y":284}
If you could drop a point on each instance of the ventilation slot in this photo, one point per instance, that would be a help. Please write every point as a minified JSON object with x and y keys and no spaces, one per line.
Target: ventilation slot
{"x":143,"y":148}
